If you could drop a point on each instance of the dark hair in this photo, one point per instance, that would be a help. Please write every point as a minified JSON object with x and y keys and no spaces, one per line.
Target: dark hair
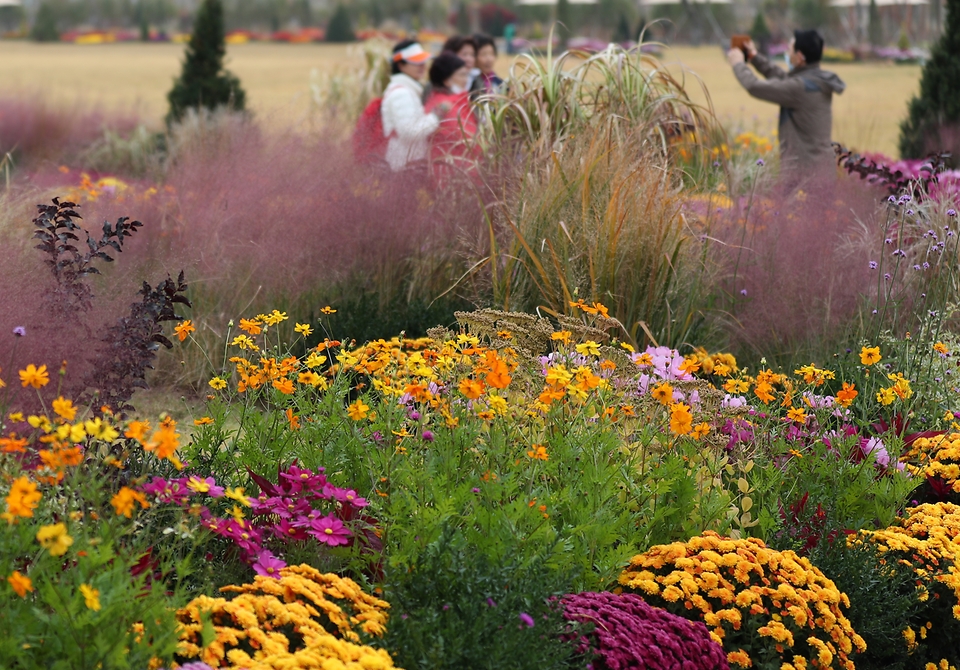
{"x":457,"y":42}
{"x":443,"y":68}
{"x":484,"y":41}
{"x":810,"y":44}
{"x":399,"y":46}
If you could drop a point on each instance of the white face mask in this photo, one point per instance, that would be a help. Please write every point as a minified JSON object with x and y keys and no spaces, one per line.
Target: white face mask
{"x":456,"y":89}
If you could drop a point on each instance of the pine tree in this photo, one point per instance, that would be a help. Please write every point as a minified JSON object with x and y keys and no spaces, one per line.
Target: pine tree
{"x":45,"y":24}
{"x":463,"y":19}
{"x":622,"y":33}
{"x":875,"y":27}
{"x":339,"y":30}
{"x":760,"y":32}
{"x":203,"y":82}
{"x":933,"y":123}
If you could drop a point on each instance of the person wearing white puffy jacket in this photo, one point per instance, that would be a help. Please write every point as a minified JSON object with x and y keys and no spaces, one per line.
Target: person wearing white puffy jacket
{"x":405,"y":122}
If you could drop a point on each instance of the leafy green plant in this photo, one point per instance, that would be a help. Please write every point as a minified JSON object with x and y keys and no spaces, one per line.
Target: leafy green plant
{"x":455,"y":607}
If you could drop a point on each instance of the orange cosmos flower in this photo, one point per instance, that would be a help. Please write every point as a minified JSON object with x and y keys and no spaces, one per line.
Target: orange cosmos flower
{"x":846,"y":395}
{"x":21,"y":584}
{"x":471,"y":388}
{"x":184,"y":329}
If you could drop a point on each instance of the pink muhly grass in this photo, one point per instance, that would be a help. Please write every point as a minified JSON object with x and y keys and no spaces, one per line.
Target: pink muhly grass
{"x":36,"y":129}
{"x":256,"y":223}
{"x":793,"y":279}
{"x":629,"y":633}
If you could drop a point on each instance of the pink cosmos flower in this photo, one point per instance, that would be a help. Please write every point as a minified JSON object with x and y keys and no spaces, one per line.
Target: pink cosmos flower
{"x":330,"y":530}
{"x":268,"y":565}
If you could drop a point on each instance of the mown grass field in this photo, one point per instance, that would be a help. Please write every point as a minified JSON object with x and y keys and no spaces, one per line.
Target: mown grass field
{"x":136,"y":76}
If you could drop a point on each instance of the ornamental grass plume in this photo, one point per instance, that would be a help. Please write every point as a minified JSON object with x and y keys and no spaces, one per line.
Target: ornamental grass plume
{"x":791,"y":283}
{"x":629,"y":633}
{"x":304,"y":619}
{"x":769,"y":609}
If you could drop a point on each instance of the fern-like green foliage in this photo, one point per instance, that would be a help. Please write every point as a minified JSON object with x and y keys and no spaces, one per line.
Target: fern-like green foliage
{"x":933,"y":123}
{"x":204,"y":82}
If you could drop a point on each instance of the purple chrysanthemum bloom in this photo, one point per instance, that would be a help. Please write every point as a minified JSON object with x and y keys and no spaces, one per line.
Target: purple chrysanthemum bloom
{"x":527,"y":620}
{"x":873,"y":265}
{"x":20,"y":331}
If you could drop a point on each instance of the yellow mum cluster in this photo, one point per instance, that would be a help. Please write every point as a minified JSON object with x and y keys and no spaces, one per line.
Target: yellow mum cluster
{"x":938,"y":457}
{"x":928,"y":541}
{"x":725,"y":582}
{"x":286,"y":623}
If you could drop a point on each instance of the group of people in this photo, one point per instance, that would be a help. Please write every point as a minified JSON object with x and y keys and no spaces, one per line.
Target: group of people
{"x":432,"y":124}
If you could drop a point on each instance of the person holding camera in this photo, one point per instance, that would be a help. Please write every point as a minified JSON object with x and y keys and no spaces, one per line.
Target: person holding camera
{"x":805,"y":95}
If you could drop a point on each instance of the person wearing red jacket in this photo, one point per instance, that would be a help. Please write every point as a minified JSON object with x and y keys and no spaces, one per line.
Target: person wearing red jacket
{"x":451,"y":146}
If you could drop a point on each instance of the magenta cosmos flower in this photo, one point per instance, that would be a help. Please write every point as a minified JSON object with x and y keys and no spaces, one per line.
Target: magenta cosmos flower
{"x":330,"y":530}
{"x":268,"y":565}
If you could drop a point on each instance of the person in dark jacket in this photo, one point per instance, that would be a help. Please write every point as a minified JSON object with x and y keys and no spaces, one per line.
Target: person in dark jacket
{"x":805,"y":96}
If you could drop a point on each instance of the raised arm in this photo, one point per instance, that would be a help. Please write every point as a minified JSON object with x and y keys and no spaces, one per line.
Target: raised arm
{"x":784,"y":92}
{"x":766,"y":68}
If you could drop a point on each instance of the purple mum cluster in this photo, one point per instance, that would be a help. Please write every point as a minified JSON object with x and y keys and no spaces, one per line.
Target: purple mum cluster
{"x":632,"y":635}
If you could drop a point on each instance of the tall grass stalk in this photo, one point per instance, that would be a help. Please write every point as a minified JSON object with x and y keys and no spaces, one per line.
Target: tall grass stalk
{"x":601,"y":221}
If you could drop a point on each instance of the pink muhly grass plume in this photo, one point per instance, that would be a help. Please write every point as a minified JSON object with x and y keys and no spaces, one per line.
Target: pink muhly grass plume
{"x":35,"y":128}
{"x":629,"y":633}
{"x":791,"y":275}
{"x":256,"y":223}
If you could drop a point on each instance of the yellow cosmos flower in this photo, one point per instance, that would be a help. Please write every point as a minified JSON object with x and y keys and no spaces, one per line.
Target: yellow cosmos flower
{"x":358,"y":410}
{"x":34,"y":376}
{"x":870,"y":355}
{"x":91,"y":597}
{"x":64,"y":408}
{"x":218,"y":383}
{"x":588,"y":348}
{"x":304,"y":329}
{"x":315,"y":360}
{"x":54,"y":538}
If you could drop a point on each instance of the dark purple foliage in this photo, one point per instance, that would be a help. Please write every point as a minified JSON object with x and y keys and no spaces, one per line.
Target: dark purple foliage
{"x":629,"y":634}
